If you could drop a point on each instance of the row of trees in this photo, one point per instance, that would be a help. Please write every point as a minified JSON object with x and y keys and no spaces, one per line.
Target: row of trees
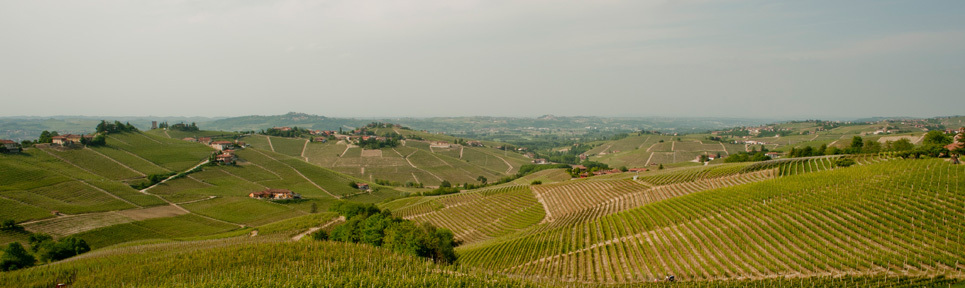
{"x":180,"y":126}
{"x":368,"y":224}
{"x":116,"y":127}
{"x":294,"y":132}
{"x":933,"y":145}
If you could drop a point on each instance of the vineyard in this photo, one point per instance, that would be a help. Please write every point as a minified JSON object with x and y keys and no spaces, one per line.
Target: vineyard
{"x":901,"y":217}
{"x":474,"y":216}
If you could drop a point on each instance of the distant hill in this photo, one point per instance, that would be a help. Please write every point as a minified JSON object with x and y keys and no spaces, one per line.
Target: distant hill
{"x":256,"y":123}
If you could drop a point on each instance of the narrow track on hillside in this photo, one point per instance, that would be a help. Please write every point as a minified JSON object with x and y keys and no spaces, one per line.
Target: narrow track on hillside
{"x":303,"y":150}
{"x":269,"y":144}
{"x":68,"y":162}
{"x":118,"y":140}
{"x":313,"y":229}
{"x":109,"y":193}
{"x":644,"y":142}
{"x":115,"y":161}
{"x":243,"y":179}
{"x":299,"y":174}
{"x":145,"y":160}
{"x":148,"y":138}
{"x":166,"y":134}
{"x":406,"y":157}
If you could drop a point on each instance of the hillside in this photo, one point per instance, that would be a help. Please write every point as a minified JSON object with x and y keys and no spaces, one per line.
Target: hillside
{"x":814,"y":224}
{"x":789,"y":222}
{"x":414,"y":161}
{"x":86,"y":191}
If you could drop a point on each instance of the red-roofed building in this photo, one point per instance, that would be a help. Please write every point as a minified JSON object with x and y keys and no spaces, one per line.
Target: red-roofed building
{"x":363,"y":186}
{"x":10,"y":145}
{"x":227,"y":157}
{"x":204,"y":140}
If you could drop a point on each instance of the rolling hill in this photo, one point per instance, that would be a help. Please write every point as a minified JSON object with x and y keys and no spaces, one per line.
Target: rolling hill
{"x":796,"y":222}
{"x":414,"y":161}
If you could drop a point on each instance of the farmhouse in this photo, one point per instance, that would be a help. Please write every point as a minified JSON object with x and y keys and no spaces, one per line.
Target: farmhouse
{"x":69,"y":139}
{"x":10,"y":145}
{"x":320,"y":139}
{"x":274,"y":194}
{"x":474,"y":144}
{"x":190,"y":139}
{"x":541,"y":161}
{"x":959,"y":141}
{"x":637,"y":170}
{"x":226,"y":157}
{"x":439,"y":144}
{"x":363,"y":186}
{"x":774,"y":155}
{"x":221,"y":145}
{"x":204,"y":140}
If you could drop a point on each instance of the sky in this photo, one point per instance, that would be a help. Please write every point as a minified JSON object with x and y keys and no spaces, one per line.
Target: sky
{"x":403,"y":58}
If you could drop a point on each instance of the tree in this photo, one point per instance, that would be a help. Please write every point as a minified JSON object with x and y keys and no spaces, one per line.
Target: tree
{"x":856,"y":144}
{"x":47,"y":137}
{"x":936,"y":138}
{"x":314,"y":210}
{"x":15,"y":257}
{"x":902,"y":144}
{"x":445,"y":184}
{"x":10,"y":225}
{"x":482,"y":179}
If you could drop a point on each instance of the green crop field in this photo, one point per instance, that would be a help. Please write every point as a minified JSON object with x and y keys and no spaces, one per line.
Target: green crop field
{"x":243,"y":210}
{"x":494,"y":212}
{"x":96,"y":163}
{"x":172,"y":154}
{"x":288,"y":146}
{"x":818,"y":223}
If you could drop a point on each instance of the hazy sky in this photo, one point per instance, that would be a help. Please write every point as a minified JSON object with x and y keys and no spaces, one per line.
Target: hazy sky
{"x":366,"y":58}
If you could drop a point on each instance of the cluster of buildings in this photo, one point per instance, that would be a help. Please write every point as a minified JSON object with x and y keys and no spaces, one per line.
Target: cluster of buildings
{"x":584,"y":172}
{"x":70,"y":139}
{"x":275,"y":194}
{"x":218,"y":145}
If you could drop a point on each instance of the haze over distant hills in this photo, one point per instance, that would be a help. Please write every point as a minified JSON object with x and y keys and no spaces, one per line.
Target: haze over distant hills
{"x":28,"y":127}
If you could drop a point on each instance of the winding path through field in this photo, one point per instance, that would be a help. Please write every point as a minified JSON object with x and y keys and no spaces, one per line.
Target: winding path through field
{"x":313,"y":229}
{"x":406,"y":157}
